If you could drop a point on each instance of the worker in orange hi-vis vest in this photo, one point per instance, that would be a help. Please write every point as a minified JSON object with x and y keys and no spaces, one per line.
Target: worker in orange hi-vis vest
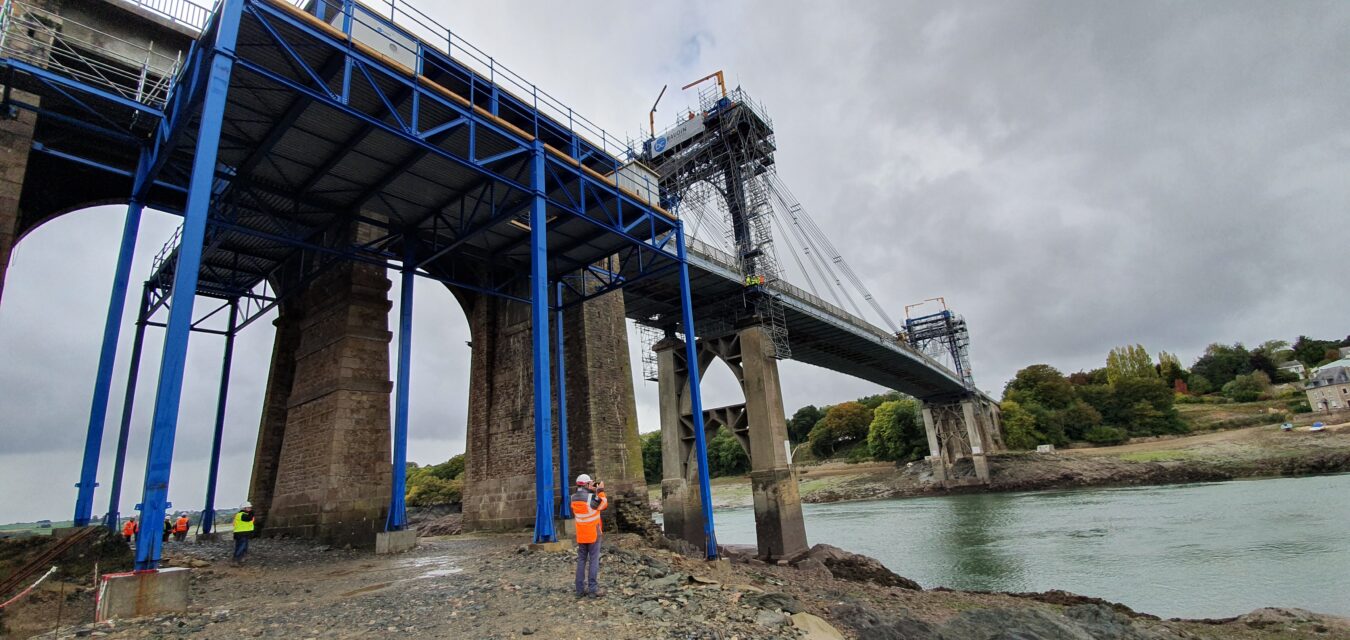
{"x":130,"y":528}
{"x":587,"y":503}
{"x":180,"y":527}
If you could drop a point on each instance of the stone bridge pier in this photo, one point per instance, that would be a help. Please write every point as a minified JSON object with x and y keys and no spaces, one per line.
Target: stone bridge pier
{"x":759,"y":425}
{"x":960,"y":428}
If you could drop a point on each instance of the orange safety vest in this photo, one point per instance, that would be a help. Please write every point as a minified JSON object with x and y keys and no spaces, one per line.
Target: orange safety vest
{"x":181,"y":526}
{"x":129,"y":529}
{"x":586,"y":519}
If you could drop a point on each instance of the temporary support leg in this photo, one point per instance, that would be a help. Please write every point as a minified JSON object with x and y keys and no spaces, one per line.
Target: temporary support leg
{"x":98,"y":410}
{"x":539,"y":307}
{"x":128,"y":401}
{"x":209,"y":512}
{"x":562,"y":411}
{"x":398,"y":512}
{"x":977,"y":444}
{"x":169,"y":390}
{"x":935,"y":458}
{"x":695,"y":396}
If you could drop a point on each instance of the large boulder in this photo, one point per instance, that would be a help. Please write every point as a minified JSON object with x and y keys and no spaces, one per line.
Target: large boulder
{"x":845,"y":565}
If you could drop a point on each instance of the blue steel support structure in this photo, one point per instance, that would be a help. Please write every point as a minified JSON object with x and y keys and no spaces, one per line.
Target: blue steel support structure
{"x":563,"y":470}
{"x":98,"y":410}
{"x":696,"y":398}
{"x":209,"y":511}
{"x":113,"y":518}
{"x":397,"y":518}
{"x":168,"y":392}
{"x":539,"y":308}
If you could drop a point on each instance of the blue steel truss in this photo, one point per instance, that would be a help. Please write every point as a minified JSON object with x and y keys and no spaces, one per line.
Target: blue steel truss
{"x":281,"y":129}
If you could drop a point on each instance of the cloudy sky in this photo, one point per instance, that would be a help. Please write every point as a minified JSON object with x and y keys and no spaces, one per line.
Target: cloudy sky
{"x":1071,"y":176}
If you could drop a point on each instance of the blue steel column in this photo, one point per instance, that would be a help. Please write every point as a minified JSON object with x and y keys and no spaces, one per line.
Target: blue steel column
{"x":562,"y":412}
{"x":168,"y":392}
{"x":209,"y":512}
{"x":98,"y":410}
{"x":539,"y":296}
{"x":398,"y":512}
{"x":128,"y":401}
{"x":695,"y":396}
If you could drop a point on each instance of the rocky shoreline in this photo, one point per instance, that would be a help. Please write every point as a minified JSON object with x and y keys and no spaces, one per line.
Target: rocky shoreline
{"x":497,"y":587}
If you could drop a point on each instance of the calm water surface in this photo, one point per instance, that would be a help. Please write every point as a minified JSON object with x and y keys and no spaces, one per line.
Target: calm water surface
{"x":1199,"y":550}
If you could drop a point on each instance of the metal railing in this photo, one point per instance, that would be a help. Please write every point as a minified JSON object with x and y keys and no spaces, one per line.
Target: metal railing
{"x":37,"y":36}
{"x":180,"y":12}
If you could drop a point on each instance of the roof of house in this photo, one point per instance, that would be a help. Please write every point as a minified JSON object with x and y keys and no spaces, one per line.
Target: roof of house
{"x":1337,"y":372}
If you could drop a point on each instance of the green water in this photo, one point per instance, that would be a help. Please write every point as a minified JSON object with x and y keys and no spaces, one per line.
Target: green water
{"x":1194,"y":551}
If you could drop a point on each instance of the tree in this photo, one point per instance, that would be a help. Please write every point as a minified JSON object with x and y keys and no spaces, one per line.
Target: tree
{"x":843,"y":423}
{"x":1199,"y":384}
{"x":1247,"y":388}
{"x":1129,"y":362}
{"x":799,"y":426}
{"x":874,"y":401}
{"x":1221,"y":363}
{"x":651,"y":457}
{"x":1019,"y":427}
{"x":1277,"y":351}
{"x":726,"y":456}
{"x":1170,"y":369}
{"x":897,"y":432}
{"x":1041,"y":384}
{"x":1079,"y":419}
{"x":1312,"y":352}
{"x":1143,"y":407}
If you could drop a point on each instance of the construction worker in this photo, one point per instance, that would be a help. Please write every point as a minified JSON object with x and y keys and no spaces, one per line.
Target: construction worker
{"x":180,"y":527}
{"x":587,"y":503}
{"x":129,"y":529}
{"x":168,"y":529}
{"x":243,"y":530}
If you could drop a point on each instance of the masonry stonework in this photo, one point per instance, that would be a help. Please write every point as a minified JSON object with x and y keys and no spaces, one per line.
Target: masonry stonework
{"x":333,"y":474}
{"x":602,"y":411}
{"x":16,"y":139}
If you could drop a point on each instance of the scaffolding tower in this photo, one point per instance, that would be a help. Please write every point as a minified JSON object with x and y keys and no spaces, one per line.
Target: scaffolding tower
{"x":714,"y":168}
{"x":939,"y":335}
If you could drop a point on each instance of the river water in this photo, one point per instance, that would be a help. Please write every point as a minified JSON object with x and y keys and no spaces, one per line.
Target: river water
{"x":1193,"y":551}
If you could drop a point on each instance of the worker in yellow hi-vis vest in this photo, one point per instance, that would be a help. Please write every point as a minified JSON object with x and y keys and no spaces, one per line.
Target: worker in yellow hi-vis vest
{"x":243,"y":530}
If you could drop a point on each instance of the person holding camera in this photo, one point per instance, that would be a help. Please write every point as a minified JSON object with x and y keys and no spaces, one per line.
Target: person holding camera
{"x":587,"y":503}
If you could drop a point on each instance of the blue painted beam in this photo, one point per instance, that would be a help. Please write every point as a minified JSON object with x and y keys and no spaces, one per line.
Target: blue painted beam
{"x":539,"y":309}
{"x":112,"y":519}
{"x":98,"y":410}
{"x":397,"y":519}
{"x":168,"y":393}
{"x":562,"y":411}
{"x":209,"y":512}
{"x":696,"y":399}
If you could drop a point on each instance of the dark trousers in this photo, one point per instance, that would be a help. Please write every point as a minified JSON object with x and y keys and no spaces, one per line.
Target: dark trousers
{"x":240,"y":546}
{"x":588,"y":561}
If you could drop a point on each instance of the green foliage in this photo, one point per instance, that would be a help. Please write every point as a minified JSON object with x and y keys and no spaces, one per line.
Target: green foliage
{"x":1106,"y":436}
{"x":843,"y":423}
{"x":1129,"y":362}
{"x":799,"y":426}
{"x":1199,"y":384}
{"x":425,"y":490}
{"x":874,"y":401}
{"x":651,"y":457}
{"x":1301,"y":406}
{"x":1170,"y":370}
{"x":1079,"y":419}
{"x":1221,"y":363}
{"x":897,"y":432}
{"x":1312,"y":352}
{"x":1041,"y":384}
{"x":436,"y":483}
{"x":726,"y":457}
{"x":1247,"y":388}
{"x":1019,"y":427}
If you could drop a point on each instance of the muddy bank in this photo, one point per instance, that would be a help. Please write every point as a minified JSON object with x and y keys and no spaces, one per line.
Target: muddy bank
{"x":494,"y":587}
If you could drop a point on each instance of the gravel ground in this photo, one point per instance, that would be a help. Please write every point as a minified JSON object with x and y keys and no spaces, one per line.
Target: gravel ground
{"x":494,"y":587}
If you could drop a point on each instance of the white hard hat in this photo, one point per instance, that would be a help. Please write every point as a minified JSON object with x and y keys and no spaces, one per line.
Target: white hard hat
{"x":583,"y":479}
{"x":246,"y":505}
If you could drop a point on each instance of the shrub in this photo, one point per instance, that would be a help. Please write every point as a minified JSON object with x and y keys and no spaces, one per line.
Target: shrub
{"x":426,"y":490}
{"x":1247,"y":388}
{"x":1102,"y":435}
{"x":651,"y":457}
{"x":726,"y":457}
{"x":1301,"y":406}
{"x":897,"y":432}
{"x":843,"y":423}
{"x":1019,"y":427}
